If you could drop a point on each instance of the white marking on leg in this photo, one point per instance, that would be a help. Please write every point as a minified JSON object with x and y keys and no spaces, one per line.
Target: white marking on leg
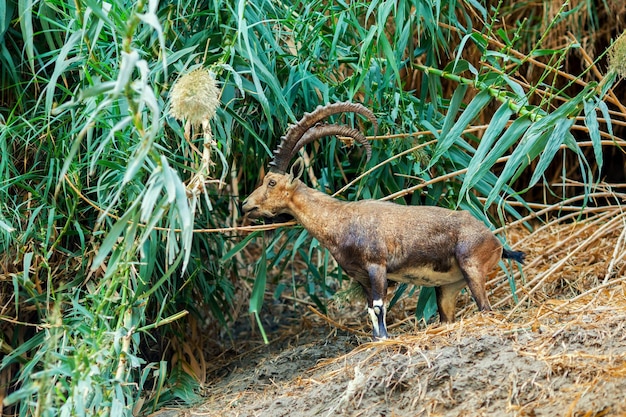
{"x":378,"y":307}
{"x":377,"y":311}
{"x":374,"y":319}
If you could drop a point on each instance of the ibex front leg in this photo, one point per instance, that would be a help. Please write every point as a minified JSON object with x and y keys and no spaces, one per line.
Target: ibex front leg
{"x":376,"y":300}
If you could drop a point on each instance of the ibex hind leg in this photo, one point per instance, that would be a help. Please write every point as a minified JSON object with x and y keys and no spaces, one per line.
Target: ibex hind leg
{"x":479,"y":293}
{"x":476,"y":260}
{"x":475,"y":272}
{"x":446,"y":300}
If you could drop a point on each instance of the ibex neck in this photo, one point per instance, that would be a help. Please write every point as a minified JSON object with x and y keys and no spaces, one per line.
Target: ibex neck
{"x":319,"y":213}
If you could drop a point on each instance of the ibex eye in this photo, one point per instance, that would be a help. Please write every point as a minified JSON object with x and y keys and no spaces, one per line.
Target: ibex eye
{"x":271,"y":183}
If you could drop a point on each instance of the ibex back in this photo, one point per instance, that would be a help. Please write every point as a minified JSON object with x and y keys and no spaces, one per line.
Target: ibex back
{"x":376,"y":241}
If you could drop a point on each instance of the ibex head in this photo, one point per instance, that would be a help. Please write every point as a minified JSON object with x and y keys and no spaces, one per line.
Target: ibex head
{"x":273,"y":196}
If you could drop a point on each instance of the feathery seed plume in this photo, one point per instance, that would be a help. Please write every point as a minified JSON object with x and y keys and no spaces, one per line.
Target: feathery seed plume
{"x":617,"y":56}
{"x":194,"y":97}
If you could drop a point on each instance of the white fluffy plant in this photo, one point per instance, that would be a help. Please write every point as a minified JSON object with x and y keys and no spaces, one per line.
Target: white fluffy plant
{"x":194,"y":100}
{"x":617,"y":56}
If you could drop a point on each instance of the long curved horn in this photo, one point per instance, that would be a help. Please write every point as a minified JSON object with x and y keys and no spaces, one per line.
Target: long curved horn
{"x":319,"y":131}
{"x":306,"y":130}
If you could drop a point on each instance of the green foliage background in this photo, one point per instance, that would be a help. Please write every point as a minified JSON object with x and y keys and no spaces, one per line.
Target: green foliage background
{"x":105,"y":257}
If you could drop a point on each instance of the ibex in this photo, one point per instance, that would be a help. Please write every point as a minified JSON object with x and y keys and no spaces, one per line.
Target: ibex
{"x":375,"y":241}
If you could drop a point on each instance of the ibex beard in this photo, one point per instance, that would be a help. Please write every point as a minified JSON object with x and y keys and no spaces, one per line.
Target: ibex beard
{"x":375,"y":241}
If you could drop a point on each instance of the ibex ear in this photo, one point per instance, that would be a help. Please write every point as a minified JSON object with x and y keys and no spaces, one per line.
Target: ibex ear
{"x":296,"y":169}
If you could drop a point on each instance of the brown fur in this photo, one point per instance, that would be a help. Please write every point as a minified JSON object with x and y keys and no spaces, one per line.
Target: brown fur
{"x":374,"y":241}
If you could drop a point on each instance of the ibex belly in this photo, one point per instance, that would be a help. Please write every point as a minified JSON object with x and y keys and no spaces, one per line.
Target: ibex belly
{"x":426,"y":275}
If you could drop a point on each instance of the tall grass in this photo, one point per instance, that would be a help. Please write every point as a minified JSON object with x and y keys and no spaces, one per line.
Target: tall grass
{"x":107,"y":268}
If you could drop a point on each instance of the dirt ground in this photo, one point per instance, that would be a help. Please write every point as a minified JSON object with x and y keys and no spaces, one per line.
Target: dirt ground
{"x":559,"y":351}
{"x":570,"y":364}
